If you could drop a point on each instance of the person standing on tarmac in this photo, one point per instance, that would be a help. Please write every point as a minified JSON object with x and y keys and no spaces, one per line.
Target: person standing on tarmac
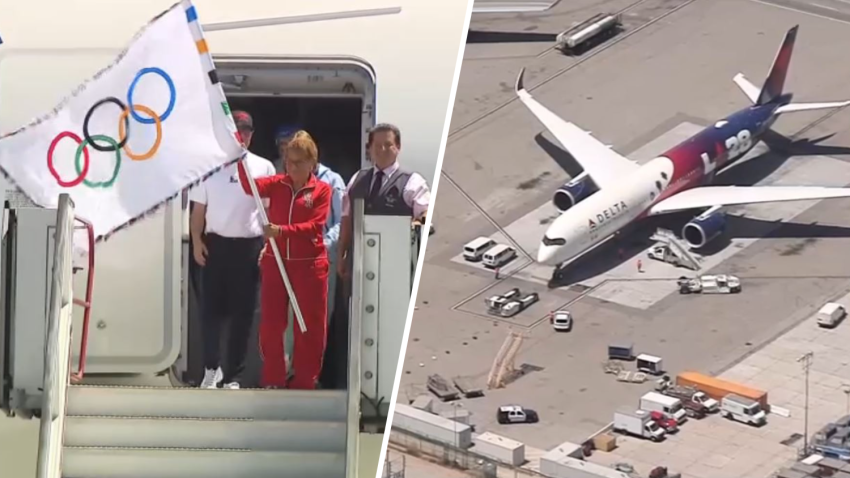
{"x":299,"y":205}
{"x":226,"y":238}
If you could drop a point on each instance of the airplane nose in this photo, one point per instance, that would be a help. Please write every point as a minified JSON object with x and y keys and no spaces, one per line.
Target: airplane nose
{"x":545,"y":254}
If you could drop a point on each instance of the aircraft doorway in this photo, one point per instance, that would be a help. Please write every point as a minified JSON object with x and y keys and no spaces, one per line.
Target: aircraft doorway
{"x":336,"y":125}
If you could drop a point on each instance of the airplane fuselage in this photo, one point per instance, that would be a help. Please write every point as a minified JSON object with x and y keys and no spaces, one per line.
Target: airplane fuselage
{"x":692,"y":163}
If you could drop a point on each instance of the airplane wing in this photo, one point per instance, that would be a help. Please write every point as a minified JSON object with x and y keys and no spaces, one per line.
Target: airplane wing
{"x":512,"y":7}
{"x":710,"y":196}
{"x":602,"y":164}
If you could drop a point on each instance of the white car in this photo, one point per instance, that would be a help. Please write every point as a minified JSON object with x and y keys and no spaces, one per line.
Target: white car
{"x":561,"y":320}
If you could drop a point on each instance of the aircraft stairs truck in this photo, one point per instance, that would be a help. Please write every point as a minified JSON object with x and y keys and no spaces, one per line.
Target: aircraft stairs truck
{"x":100,"y":351}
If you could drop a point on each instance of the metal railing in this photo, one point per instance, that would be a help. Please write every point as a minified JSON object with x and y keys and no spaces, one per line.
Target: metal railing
{"x":57,"y":353}
{"x":447,"y":455}
{"x":86,"y":304}
{"x":354,"y":337}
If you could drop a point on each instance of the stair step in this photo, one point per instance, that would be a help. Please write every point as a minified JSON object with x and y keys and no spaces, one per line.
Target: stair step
{"x":80,"y":462}
{"x":309,"y":405}
{"x":256,"y":435}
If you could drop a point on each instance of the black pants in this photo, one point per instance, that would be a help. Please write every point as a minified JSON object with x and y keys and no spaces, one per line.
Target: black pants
{"x":231,"y":279}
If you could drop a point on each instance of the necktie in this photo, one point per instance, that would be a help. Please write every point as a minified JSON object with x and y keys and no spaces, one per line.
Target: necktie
{"x":376,"y":185}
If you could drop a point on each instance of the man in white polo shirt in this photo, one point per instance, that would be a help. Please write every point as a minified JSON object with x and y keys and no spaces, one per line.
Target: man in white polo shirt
{"x":227,"y":237}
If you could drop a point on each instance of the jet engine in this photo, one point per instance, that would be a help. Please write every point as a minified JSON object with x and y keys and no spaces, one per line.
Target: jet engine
{"x":704,"y":228}
{"x":574,"y":192}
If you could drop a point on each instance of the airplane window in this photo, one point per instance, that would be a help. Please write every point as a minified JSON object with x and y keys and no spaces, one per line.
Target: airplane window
{"x":664,"y":176}
{"x":651,"y":195}
{"x":558,"y":241}
{"x":658,"y":185}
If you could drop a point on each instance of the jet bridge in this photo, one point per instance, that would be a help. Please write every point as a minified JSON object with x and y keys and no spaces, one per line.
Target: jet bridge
{"x":90,"y":431}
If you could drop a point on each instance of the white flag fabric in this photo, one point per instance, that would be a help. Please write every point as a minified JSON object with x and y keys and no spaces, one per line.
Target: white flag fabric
{"x":151,"y":124}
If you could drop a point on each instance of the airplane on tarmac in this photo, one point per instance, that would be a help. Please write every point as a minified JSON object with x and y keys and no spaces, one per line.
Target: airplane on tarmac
{"x":614,"y":191}
{"x":512,"y":7}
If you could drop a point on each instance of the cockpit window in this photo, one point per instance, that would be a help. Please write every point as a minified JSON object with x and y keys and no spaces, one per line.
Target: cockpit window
{"x":554,"y":242}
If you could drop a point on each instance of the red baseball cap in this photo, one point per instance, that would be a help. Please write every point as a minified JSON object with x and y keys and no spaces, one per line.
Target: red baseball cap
{"x":243,"y":120}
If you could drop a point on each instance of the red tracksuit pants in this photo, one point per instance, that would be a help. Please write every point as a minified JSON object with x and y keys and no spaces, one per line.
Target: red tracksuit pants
{"x":309,"y":280}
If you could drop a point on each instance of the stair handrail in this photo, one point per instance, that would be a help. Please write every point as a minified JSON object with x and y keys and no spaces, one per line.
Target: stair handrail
{"x":57,"y":352}
{"x":354,"y":337}
{"x":87,"y":303}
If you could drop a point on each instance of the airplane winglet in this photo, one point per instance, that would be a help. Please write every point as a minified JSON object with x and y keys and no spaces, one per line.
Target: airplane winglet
{"x":520,"y":85}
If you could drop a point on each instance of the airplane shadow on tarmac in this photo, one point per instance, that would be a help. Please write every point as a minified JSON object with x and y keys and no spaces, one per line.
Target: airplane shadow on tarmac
{"x":634,"y":239}
{"x":478,"y":36}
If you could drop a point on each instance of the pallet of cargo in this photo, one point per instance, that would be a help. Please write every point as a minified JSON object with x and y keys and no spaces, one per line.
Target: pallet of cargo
{"x":467,"y":387}
{"x":440,"y":387}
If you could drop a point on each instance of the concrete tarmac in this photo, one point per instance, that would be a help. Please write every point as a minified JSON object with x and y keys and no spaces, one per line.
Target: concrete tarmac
{"x":674,"y":63}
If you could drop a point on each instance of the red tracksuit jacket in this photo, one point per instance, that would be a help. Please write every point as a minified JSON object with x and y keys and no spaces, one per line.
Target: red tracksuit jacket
{"x":301,"y":214}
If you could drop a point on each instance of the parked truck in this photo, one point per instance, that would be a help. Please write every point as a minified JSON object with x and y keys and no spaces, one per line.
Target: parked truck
{"x":669,"y":406}
{"x":717,"y":388}
{"x":638,"y":423}
{"x":742,"y":409}
{"x":688,"y":394}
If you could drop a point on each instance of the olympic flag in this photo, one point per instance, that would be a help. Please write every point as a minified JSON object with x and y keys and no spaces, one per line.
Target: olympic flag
{"x":143,"y":129}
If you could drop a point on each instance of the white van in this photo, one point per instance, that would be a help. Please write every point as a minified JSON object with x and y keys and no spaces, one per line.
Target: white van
{"x":474,"y":249}
{"x":742,"y":409}
{"x":830,"y":314}
{"x":499,"y":255}
{"x":669,"y":406}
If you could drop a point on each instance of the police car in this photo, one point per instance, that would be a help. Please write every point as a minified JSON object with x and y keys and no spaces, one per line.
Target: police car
{"x":516,"y":414}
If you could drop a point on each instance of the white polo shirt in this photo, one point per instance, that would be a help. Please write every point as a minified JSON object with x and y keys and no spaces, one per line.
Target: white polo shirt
{"x":231,"y":212}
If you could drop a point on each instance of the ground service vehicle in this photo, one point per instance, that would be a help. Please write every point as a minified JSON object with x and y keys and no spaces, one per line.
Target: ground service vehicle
{"x":830,"y":314}
{"x":693,"y":395}
{"x":622,"y":351}
{"x":717,"y":388}
{"x":650,"y":364}
{"x":516,"y":414}
{"x":496,"y":302}
{"x":143,"y":312}
{"x":578,"y":38}
{"x":499,"y":255}
{"x":475,"y":249}
{"x":672,"y":407}
{"x":638,"y":423}
{"x":742,"y":409}
{"x":561,"y":320}
{"x":710,"y":284}
{"x":514,"y":307}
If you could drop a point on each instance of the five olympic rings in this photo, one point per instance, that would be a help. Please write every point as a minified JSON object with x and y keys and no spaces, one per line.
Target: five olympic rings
{"x":107,"y":144}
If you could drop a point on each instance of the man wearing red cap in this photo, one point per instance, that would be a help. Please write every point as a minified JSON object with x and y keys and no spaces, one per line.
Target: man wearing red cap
{"x":227,"y":237}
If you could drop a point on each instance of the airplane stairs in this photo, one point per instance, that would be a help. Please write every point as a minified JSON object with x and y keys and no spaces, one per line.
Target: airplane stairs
{"x":151,"y":432}
{"x":107,"y":431}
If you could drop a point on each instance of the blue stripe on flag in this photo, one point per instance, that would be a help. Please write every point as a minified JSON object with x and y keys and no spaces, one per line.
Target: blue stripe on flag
{"x":191,"y":14}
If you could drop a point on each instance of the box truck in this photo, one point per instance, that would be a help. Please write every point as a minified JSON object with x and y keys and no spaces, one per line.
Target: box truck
{"x":669,"y":406}
{"x":638,"y":423}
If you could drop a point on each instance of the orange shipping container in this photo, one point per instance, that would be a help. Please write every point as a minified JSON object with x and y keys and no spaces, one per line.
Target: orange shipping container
{"x":717,"y":388}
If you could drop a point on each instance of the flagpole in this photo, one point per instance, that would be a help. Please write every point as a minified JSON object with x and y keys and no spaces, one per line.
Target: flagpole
{"x":265,"y":220}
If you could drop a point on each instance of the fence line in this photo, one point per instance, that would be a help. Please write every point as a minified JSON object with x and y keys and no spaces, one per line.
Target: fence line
{"x":472,"y":463}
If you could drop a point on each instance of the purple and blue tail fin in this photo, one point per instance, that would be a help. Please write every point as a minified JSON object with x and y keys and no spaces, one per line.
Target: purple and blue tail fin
{"x":775,"y":82}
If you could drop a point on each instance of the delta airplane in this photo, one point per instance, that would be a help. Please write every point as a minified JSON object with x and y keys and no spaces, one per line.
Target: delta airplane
{"x":613,"y":191}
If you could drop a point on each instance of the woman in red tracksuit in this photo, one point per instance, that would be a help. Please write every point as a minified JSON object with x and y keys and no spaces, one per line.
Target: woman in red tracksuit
{"x":298,"y":208}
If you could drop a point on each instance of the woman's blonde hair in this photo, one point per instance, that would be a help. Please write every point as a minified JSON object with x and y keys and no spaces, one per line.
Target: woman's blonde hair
{"x":303,"y":143}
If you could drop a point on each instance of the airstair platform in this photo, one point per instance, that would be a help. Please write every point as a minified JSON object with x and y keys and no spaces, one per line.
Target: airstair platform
{"x":673,"y":251}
